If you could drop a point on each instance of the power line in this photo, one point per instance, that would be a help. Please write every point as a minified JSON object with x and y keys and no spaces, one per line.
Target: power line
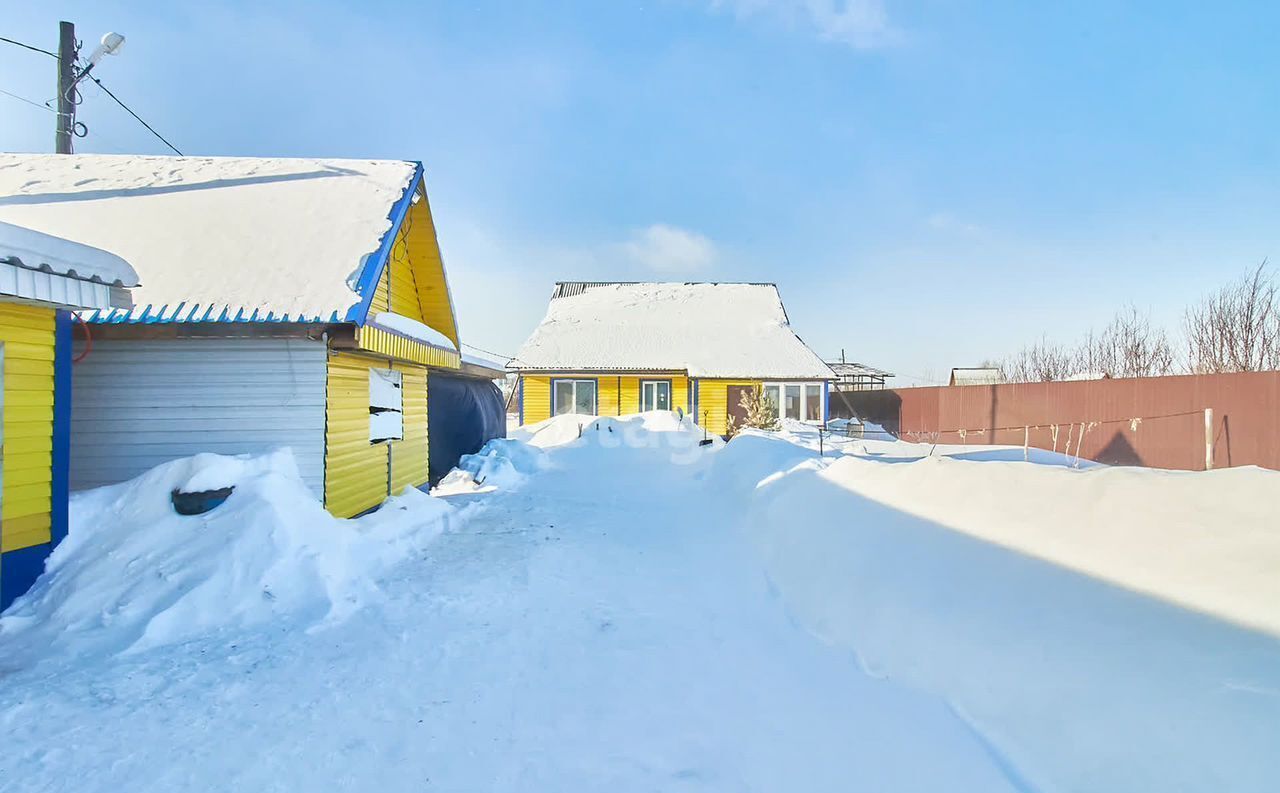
{"x":29,"y":47}
{"x":28,"y":101}
{"x":135,"y":115}
{"x":487,"y":352}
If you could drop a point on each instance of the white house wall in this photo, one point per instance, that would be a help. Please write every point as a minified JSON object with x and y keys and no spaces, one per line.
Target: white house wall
{"x":139,"y":403}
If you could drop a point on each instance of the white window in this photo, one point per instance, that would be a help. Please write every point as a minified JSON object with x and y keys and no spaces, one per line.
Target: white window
{"x":773,"y":393}
{"x":655,"y":395}
{"x":813,"y":402}
{"x":798,"y":401}
{"x":573,"y":396}
{"x":386,"y":406}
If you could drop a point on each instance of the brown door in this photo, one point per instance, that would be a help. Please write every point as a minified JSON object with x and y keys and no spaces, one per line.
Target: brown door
{"x":736,"y":411}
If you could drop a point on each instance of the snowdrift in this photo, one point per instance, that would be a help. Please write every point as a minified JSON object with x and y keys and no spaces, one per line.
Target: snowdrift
{"x":133,"y":574}
{"x":1064,"y":613}
{"x":502,"y":464}
{"x":635,"y":430}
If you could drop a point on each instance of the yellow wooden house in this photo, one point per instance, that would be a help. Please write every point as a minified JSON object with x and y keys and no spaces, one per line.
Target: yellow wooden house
{"x":615,"y":348}
{"x":41,"y":279}
{"x":285,"y":303}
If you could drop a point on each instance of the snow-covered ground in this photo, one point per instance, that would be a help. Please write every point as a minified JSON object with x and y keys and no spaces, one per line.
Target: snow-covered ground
{"x":609,"y":605}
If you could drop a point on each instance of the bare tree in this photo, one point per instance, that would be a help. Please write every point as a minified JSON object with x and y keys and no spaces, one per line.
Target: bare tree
{"x":1039,"y":362}
{"x":1127,"y":347}
{"x":1237,"y":328}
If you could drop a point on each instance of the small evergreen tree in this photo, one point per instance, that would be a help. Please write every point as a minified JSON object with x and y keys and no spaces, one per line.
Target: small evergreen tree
{"x":760,"y":411}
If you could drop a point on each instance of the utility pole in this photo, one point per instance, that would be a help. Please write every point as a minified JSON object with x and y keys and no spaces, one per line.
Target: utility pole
{"x":66,"y":85}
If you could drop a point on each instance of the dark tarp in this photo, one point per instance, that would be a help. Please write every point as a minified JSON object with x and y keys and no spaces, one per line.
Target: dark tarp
{"x":463,"y":413}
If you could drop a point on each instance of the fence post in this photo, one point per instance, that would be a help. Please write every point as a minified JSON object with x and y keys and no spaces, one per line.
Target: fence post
{"x":1208,"y":439}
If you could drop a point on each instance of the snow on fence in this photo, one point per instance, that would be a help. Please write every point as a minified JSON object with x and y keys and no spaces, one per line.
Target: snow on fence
{"x":1188,"y":422}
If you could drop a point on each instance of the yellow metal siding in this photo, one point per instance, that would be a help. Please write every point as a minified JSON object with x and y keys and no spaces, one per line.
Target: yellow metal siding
{"x":630,"y":394}
{"x":409,"y":456}
{"x":382,"y":295}
{"x":379,"y":341}
{"x":403,"y":294}
{"x":713,"y":407}
{"x":607,"y":396}
{"x":428,"y":270}
{"x":537,"y":398}
{"x":680,"y":393}
{"x":355,"y":471}
{"x":28,"y":337}
{"x":413,"y":283}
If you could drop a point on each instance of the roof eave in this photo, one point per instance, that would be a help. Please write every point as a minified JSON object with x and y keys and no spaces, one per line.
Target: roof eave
{"x":371,"y":273}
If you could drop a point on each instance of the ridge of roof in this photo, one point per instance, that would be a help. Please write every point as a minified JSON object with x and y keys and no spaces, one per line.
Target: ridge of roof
{"x":569,"y":288}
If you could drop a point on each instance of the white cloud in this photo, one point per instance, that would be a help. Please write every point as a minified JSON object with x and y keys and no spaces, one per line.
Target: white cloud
{"x":862,"y":24}
{"x":501,"y":284}
{"x":668,"y":249}
{"x":949,"y":223}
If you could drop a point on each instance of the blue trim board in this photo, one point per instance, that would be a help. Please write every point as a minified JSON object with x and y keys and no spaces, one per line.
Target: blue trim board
{"x":19,"y":570}
{"x":61,"y":457}
{"x":371,"y":273}
{"x":520,"y":385}
{"x":826,"y":401}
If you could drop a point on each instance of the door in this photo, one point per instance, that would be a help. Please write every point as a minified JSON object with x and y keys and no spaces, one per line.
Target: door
{"x":736,"y":411}
{"x":655,"y":395}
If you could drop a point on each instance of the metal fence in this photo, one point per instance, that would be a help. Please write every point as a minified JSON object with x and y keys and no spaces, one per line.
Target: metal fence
{"x":1188,"y":422}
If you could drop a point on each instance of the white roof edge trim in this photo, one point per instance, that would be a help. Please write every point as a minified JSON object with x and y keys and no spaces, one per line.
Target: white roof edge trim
{"x":36,"y":250}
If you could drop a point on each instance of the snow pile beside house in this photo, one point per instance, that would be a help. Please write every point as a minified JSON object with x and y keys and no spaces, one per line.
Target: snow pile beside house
{"x":502,"y":464}
{"x":505,"y":463}
{"x":133,"y":574}
{"x":1103,"y":629}
{"x":665,"y":429}
{"x":555,"y":431}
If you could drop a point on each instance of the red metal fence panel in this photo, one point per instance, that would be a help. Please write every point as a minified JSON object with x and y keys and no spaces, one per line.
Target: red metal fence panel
{"x":1152,"y":421}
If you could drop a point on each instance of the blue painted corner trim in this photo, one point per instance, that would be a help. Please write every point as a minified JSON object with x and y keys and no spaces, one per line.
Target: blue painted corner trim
{"x":367,"y":284}
{"x":19,"y":570}
{"x":521,"y":387}
{"x":60,"y":475}
{"x":826,"y":402}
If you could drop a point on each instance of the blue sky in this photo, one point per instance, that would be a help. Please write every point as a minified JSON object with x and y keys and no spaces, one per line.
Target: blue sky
{"x":930,"y":183}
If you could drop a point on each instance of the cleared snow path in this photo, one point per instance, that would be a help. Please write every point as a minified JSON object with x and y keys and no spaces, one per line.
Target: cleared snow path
{"x":603,"y":628}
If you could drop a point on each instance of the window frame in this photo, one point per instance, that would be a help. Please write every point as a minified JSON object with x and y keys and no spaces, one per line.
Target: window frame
{"x":573,"y":382}
{"x":397,"y":383}
{"x":803,"y":385}
{"x":658,"y":381}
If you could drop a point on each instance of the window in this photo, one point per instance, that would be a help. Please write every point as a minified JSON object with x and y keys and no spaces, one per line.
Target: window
{"x":773,"y":393}
{"x":813,"y":402}
{"x":791,"y":400}
{"x":655,"y":395}
{"x":386,"y":406}
{"x":573,"y":396}
{"x":798,"y":401}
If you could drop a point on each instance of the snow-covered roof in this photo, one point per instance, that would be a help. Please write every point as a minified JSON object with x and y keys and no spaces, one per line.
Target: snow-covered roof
{"x":708,"y":329}
{"x":38,"y":251}
{"x":218,"y":238}
{"x":38,"y":266}
{"x":979,"y":375}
